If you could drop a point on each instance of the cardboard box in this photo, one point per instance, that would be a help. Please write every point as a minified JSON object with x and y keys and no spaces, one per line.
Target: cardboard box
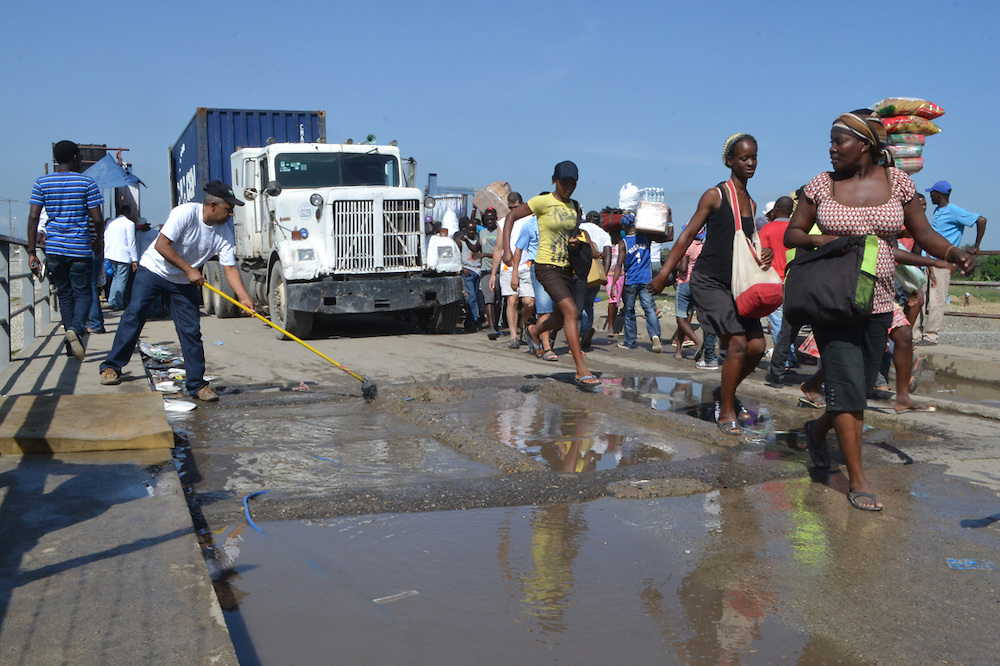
{"x":651,"y":217}
{"x":494,"y":195}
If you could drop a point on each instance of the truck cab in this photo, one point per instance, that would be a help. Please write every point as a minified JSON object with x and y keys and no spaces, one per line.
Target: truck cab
{"x":333,"y":229}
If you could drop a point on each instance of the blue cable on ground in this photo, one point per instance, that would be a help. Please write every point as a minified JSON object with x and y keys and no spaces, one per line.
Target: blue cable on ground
{"x":246,"y":509}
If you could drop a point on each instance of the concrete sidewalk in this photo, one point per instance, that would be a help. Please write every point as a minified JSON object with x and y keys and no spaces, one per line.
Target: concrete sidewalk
{"x":99,"y":563}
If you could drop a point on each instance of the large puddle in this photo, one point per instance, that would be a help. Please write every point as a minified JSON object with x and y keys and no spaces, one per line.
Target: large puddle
{"x":777,"y":572}
{"x":950,"y":387}
{"x":585,"y":583}
{"x":763,"y":573}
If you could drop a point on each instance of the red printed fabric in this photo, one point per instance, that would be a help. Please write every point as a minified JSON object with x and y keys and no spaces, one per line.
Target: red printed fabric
{"x":692,"y":253}
{"x":884,"y":221}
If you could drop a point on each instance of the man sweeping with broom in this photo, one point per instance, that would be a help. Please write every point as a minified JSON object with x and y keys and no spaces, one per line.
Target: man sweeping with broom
{"x":192,"y":234}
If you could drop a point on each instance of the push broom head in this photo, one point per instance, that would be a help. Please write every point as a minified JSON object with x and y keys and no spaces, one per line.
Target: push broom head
{"x":368,"y":390}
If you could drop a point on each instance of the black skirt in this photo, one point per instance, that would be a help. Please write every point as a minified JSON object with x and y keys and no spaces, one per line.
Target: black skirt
{"x":716,"y":308}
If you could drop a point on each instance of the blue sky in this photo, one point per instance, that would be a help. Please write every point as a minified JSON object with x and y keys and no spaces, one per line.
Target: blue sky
{"x":481,"y":91}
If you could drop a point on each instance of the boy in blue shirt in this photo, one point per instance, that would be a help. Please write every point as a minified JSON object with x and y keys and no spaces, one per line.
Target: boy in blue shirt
{"x":634,"y":260}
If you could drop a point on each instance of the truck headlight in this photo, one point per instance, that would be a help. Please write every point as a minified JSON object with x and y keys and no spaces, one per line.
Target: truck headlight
{"x":306,"y":254}
{"x":316,"y":200}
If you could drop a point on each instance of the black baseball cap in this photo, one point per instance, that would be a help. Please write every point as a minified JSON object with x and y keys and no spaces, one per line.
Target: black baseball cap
{"x":219,"y":189}
{"x":566,"y":170}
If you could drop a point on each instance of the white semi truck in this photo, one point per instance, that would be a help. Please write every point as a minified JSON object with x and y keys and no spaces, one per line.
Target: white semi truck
{"x":329,"y":229}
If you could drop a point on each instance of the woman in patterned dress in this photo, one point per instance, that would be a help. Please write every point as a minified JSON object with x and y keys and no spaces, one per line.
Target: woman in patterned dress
{"x":862,"y":195}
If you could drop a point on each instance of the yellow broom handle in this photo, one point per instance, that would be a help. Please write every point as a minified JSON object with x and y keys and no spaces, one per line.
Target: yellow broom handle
{"x":275,"y":326}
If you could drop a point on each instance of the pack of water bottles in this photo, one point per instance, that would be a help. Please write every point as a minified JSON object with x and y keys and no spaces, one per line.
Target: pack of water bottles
{"x":652,"y":214}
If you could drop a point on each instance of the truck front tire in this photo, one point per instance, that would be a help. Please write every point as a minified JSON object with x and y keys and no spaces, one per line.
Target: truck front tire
{"x":443,"y":318}
{"x":296,"y":322}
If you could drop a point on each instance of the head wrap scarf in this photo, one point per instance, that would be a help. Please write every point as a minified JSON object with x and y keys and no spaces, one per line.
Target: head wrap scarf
{"x":734,"y":139}
{"x":869,"y":129}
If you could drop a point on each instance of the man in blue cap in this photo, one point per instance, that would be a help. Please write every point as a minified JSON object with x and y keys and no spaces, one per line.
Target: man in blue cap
{"x":950,"y":221}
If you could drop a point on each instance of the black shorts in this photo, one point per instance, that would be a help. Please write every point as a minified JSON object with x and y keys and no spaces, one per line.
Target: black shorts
{"x":557,"y":281}
{"x":851,"y":356}
{"x":716,"y":308}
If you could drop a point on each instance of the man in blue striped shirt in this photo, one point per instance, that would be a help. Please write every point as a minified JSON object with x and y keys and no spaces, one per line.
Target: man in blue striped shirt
{"x":72,"y":201}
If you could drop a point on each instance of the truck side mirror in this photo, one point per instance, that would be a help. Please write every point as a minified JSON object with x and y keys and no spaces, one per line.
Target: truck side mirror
{"x":273,"y":189}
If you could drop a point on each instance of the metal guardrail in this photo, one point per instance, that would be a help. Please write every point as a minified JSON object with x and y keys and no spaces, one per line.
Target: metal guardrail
{"x":19,"y":325}
{"x":973,"y":283}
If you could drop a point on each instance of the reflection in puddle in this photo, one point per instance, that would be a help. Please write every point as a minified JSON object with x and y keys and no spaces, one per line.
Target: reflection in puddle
{"x":701,"y":579}
{"x":573,"y":440}
{"x":951,"y":387}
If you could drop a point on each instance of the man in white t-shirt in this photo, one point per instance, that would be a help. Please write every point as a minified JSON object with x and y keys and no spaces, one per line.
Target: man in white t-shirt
{"x":602,"y":239}
{"x":120,"y":250}
{"x":502,"y":272}
{"x":192,"y":234}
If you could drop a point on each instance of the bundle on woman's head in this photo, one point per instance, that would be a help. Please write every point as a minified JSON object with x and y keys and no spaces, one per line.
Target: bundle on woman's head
{"x":730,"y":145}
{"x":867,"y":126}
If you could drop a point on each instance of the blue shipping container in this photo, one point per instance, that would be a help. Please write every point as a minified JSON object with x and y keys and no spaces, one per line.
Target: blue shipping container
{"x":202,"y":152}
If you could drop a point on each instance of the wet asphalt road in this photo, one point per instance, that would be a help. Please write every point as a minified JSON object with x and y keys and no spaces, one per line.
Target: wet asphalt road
{"x":466,"y":425}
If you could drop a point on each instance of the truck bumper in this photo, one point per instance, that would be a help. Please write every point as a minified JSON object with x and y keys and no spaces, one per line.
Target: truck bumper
{"x":331,"y":296}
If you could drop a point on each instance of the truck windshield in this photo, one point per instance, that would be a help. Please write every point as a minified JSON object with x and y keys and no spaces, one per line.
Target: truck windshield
{"x":311,"y":170}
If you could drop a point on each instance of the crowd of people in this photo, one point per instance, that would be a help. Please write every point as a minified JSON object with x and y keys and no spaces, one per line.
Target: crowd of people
{"x":863,"y":195}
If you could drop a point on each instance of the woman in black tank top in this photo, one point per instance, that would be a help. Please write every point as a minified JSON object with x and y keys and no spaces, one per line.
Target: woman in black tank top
{"x":711,"y":288}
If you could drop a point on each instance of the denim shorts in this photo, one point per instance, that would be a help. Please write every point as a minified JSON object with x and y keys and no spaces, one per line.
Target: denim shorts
{"x":682,"y":309}
{"x":543,"y":302}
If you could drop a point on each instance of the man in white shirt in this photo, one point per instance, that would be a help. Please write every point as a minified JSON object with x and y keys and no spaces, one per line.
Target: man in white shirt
{"x":192,"y":234}
{"x":120,"y":250}
{"x":602,"y":239}
{"x":502,"y":273}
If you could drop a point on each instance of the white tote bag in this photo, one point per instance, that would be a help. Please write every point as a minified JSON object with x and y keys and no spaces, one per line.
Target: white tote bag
{"x":757,"y":292}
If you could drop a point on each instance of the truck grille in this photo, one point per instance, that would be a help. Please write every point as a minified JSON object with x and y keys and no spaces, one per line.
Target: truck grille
{"x":356,"y":229}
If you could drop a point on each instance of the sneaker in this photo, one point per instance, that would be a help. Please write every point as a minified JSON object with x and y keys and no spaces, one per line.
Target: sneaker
{"x":75,"y":346}
{"x":705,"y":365}
{"x":773,"y":380}
{"x":514,"y":344}
{"x":588,"y":337}
{"x":206,"y":394}
{"x":110,"y":377}
{"x":622,"y":345}
{"x":493,"y":335}
{"x":657,"y":347}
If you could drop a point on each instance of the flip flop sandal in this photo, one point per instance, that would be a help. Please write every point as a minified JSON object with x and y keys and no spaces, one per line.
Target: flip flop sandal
{"x":730,"y":427}
{"x":820,"y":455}
{"x":853,"y":499}
{"x":536,"y":348}
{"x":805,"y":401}
{"x":916,"y":407}
{"x":584,"y":385}
{"x":549,"y":355}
